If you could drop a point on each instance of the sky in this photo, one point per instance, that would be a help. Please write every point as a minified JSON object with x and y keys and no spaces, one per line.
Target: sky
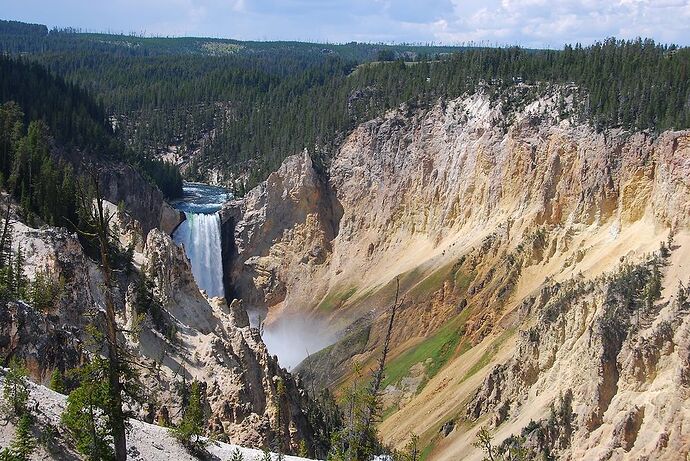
{"x":529,"y":23}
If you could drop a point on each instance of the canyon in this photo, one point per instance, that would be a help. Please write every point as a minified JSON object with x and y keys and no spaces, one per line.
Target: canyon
{"x":527,"y":247}
{"x":509,"y":236}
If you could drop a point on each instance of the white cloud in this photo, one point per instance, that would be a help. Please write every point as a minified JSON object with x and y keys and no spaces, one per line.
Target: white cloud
{"x":534,"y":23}
{"x":555,"y":22}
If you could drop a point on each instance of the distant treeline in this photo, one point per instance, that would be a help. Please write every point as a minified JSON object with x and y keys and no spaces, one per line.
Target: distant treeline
{"x":254,"y":103}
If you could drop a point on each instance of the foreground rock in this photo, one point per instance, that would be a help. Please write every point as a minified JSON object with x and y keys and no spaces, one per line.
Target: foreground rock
{"x":145,"y":442}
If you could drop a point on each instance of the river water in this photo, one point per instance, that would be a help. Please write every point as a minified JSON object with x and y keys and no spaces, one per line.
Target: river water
{"x":200,"y":234}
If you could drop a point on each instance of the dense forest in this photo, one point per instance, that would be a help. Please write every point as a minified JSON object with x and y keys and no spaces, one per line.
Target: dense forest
{"x":75,"y":122}
{"x":245,"y":106}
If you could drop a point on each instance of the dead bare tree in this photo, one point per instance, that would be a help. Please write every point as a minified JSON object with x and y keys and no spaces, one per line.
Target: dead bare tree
{"x":372,"y":409}
{"x":97,"y":228}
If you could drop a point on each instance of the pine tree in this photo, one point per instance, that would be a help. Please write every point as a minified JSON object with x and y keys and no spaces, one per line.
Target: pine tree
{"x":236,"y":455}
{"x":15,"y":393}
{"x":87,"y":415}
{"x":23,"y":444}
{"x":6,"y":256}
{"x":278,"y":440}
{"x":57,"y":382}
{"x":265,"y":456}
{"x":303,"y":451}
{"x":484,"y":442}
{"x":191,"y":428}
{"x":95,"y":222}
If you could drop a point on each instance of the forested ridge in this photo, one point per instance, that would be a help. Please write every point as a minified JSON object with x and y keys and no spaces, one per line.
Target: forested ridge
{"x":67,"y":114}
{"x":245,"y":106}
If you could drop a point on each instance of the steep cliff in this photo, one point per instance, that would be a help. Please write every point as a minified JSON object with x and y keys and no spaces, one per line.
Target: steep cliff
{"x":478,"y":213}
{"x":175,"y":335}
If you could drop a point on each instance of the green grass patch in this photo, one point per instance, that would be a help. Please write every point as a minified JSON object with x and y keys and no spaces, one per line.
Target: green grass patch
{"x":428,"y":449}
{"x":435,"y":280}
{"x":432,"y":282}
{"x":334,"y":300}
{"x":440,"y":347}
{"x":463,"y":280}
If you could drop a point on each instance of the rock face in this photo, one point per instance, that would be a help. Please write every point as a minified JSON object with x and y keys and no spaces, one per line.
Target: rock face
{"x":434,"y":176}
{"x":181,"y":336}
{"x":618,"y":357}
{"x":478,"y":222}
{"x":286,"y":223}
{"x":215,"y":345}
{"x":122,"y":183}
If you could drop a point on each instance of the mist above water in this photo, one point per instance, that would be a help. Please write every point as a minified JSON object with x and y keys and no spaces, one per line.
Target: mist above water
{"x":292,"y":338}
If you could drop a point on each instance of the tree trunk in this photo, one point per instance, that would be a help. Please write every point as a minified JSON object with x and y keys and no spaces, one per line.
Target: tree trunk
{"x":375,"y":389}
{"x":114,"y":362}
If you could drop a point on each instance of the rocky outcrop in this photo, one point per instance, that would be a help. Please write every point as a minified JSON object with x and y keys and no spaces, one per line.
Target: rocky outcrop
{"x":49,"y":338}
{"x":485,"y":221}
{"x":179,"y":336}
{"x":123,"y":183}
{"x":280,"y":230}
{"x":602,"y":343}
{"x":170,"y":218}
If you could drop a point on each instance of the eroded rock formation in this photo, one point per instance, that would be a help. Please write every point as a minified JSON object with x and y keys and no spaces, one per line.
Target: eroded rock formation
{"x":484,"y":225}
{"x":181,"y":337}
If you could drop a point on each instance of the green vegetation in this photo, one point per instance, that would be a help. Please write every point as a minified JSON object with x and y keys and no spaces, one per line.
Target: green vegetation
{"x":452,"y":272}
{"x":45,"y":291}
{"x":266,"y":100}
{"x":432,"y":283}
{"x":146,"y":304}
{"x":56,"y":111}
{"x":57,"y":381}
{"x":236,"y":455}
{"x":44,"y":187}
{"x":15,"y":392}
{"x":434,"y":352}
{"x":463,"y":280}
{"x":334,"y":300}
{"x":426,"y":451}
{"x":88,"y":412}
{"x":23,"y":444}
{"x":548,"y":436}
{"x":488,"y":354}
{"x":192,"y":426}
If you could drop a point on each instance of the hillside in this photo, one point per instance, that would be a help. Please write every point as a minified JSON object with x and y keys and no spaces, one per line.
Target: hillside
{"x":503,"y":233}
{"x":231,"y":117}
{"x":148,"y":442}
{"x":524,"y":255}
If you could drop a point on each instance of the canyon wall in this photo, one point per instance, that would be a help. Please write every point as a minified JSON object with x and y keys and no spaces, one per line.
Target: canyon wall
{"x":173,"y":333}
{"x":476,"y":213}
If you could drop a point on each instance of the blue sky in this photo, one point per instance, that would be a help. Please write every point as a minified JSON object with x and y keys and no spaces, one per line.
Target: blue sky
{"x":534,"y":23}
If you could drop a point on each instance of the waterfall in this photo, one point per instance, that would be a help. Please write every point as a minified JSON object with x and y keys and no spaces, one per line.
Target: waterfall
{"x":200,"y":236}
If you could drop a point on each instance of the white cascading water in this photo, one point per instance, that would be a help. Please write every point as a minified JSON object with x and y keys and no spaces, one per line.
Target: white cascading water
{"x":200,"y":236}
